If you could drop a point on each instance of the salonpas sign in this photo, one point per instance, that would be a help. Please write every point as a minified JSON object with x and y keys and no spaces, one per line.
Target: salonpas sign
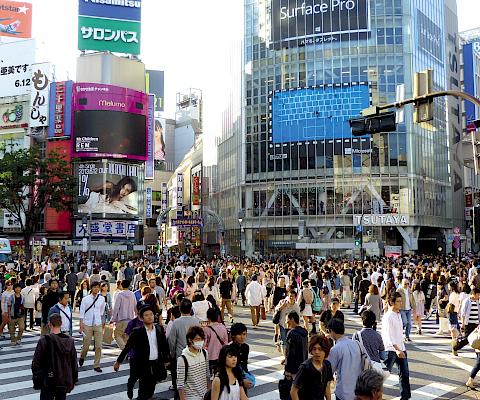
{"x":302,"y":22}
{"x":381,"y":220}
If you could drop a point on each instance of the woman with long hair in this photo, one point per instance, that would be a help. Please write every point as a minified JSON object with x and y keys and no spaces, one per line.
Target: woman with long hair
{"x":373,"y":302}
{"x":228,"y":383}
{"x":419,"y":309}
{"x":105,"y":292}
{"x":190,"y":288}
{"x":82,"y":291}
{"x":211,"y":288}
{"x":453,"y":308}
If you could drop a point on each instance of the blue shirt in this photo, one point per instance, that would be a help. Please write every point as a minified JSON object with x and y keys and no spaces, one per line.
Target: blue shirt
{"x":346,"y":361}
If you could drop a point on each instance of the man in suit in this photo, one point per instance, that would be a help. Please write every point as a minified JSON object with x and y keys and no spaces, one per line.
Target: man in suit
{"x":151,"y":353}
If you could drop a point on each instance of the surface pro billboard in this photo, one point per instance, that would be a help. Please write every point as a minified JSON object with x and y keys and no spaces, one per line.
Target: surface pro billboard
{"x":109,"y":121}
{"x":302,"y":22}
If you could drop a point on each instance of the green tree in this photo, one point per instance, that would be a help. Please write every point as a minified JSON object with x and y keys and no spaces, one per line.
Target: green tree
{"x":30,"y":182}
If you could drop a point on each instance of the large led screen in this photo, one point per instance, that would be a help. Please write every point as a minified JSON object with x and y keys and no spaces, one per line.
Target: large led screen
{"x":316,"y":113}
{"x":303,"y":22}
{"x":110,"y":133}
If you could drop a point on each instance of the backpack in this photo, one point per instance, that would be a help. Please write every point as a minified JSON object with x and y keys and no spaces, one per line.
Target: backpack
{"x":308,"y":296}
{"x":317,"y":304}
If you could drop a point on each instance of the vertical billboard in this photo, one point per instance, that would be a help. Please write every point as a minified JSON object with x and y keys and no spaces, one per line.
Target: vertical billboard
{"x":155,"y":84}
{"x":39,"y":97}
{"x":303,"y":22}
{"x":61,"y":94}
{"x":16,"y":59}
{"x":109,"y":121}
{"x":470,"y":62}
{"x":109,"y":188}
{"x":150,"y":163}
{"x":164,"y":203}
{"x":15,"y":19}
{"x":110,"y":25}
{"x":179,"y":195}
{"x":159,"y":139}
{"x":196,"y":190}
{"x":148,"y":203}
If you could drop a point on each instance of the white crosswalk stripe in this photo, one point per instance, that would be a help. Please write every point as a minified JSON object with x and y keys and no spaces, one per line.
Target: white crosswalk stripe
{"x":16,"y":383}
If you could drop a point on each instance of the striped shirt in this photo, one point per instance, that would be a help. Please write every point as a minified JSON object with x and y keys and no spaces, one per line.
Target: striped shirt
{"x":473,"y":318}
{"x":196,"y":384}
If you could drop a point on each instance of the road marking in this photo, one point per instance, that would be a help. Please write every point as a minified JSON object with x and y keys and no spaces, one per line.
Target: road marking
{"x":430,"y":391}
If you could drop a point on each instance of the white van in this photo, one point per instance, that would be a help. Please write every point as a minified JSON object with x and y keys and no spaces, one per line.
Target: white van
{"x":6,"y":253}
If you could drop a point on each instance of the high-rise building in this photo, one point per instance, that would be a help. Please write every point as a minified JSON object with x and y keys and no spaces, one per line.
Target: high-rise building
{"x":309,"y":185}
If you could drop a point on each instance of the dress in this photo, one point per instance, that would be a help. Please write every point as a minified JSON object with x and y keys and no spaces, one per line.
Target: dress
{"x":234,"y":392}
{"x":419,"y":298}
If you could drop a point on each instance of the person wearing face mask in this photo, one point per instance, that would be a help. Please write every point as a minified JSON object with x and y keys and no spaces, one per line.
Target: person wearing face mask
{"x":193,"y":372}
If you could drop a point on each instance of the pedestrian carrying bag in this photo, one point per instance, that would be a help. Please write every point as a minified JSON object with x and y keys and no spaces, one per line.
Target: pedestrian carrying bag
{"x":216,"y":334}
{"x":44,"y":378}
{"x":369,"y":363}
{"x":276,"y":317}
{"x":263,"y":313}
{"x":108,"y":334}
{"x":284,"y":387}
{"x":474,"y":339}
{"x":317,"y":304}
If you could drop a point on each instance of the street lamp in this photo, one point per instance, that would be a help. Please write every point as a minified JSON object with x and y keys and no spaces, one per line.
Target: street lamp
{"x":241,"y":215}
{"x":87,"y":224}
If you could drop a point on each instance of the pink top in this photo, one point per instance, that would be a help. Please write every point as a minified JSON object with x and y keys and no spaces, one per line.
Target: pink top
{"x":212,"y":344}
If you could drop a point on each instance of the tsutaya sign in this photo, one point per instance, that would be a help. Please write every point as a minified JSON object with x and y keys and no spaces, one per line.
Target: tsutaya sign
{"x":381,"y":220}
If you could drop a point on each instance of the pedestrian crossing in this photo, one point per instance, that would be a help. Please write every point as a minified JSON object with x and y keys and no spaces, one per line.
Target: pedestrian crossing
{"x":16,"y":377}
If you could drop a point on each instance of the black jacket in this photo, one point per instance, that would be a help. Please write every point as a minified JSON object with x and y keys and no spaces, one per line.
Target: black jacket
{"x":64,"y":357}
{"x":138,"y":341}
{"x":296,"y":349}
{"x":48,"y":301}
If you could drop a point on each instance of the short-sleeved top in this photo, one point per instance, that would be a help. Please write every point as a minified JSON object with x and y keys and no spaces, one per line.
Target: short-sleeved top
{"x":311,"y":382}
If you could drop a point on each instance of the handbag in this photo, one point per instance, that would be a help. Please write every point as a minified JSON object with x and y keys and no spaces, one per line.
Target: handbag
{"x":284,"y":387}
{"x":263,"y":313}
{"x":276,"y":317}
{"x":377,"y":366}
{"x":474,"y":339}
{"x":249,"y":377}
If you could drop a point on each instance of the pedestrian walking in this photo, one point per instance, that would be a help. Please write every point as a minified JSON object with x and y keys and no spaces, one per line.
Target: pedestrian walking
{"x":392,"y":335}
{"x":315,"y":375}
{"x":17,"y":316}
{"x":408,"y":305}
{"x":216,"y":336}
{"x":296,"y":348}
{"x":419,"y":299}
{"x":72,"y":283}
{"x":241,"y":283}
{"x":54,"y":364}
{"x":346,"y":360}
{"x":226,"y":294}
{"x":123,"y":312}
{"x":30,"y":294}
{"x":255,"y":294}
{"x":228,"y":383}
{"x":65,"y":311}
{"x":91,"y":314}
{"x":469,"y":318}
{"x":150,"y":354}
{"x":193,"y":372}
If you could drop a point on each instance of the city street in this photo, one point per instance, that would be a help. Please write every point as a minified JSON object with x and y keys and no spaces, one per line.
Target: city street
{"x":434,"y":373}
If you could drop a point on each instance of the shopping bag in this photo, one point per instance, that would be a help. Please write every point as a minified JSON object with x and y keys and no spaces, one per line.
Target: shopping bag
{"x":474,"y":339}
{"x":263,"y":314}
{"x":108,"y":334}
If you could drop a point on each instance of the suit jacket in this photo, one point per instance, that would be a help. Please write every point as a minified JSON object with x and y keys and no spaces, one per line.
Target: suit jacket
{"x":413,"y":305}
{"x":138,"y":341}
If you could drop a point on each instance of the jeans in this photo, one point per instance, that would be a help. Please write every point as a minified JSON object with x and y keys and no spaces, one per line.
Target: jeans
{"x":407,"y":321}
{"x":403,"y":372}
{"x":476,"y":367}
{"x":283,"y":335}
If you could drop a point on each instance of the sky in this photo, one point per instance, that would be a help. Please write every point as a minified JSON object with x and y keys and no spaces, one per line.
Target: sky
{"x":190,"y":40}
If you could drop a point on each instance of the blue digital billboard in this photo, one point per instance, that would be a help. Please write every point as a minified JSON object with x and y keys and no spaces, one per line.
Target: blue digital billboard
{"x":469,"y":67}
{"x":316,"y":113}
{"x":128,"y":10}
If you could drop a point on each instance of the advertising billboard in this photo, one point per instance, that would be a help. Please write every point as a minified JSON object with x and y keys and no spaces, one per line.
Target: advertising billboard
{"x":159,"y":139}
{"x":128,"y":10}
{"x":196,"y":195}
{"x":39,"y":97}
{"x":109,"y":121}
{"x":155,"y":84}
{"x":109,"y":188}
{"x":303,"y":22}
{"x":15,"y":61}
{"x":316,"y":113}
{"x":179,"y":195}
{"x":113,"y":35}
{"x":14,"y":115}
{"x":61,"y":94}
{"x":150,"y":163}
{"x":470,"y":55}
{"x":106,"y":229}
{"x":15,"y":19}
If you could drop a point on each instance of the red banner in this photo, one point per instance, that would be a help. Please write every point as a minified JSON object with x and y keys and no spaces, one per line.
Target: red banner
{"x":196,"y":191}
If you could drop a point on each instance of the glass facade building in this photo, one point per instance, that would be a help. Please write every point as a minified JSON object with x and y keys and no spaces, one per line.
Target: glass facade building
{"x":308,"y":67}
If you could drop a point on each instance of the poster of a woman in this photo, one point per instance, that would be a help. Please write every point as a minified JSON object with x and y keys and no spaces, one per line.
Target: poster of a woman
{"x":159,"y":140}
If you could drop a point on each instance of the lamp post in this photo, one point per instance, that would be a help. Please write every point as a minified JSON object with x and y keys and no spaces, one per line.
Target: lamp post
{"x":87,"y":224}
{"x":241,"y":215}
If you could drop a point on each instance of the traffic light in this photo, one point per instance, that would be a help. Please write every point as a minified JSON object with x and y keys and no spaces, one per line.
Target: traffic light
{"x":358,"y":239}
{"x":373,"y":124}
{"x":422,"y":86}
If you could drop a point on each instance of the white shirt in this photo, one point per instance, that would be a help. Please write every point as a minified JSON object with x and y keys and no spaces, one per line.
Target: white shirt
{"x":152,"y":342}
{"x":30,"y":294}
{"x":392,"y":331}
{"x":375,"y":277}
{"x":65,"y":320}
{"x":94,"y":316}
{"x":255,"y":293}
{"x":407,"y":305}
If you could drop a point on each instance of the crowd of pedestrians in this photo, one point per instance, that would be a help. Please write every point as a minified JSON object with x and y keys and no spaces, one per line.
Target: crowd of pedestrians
{"x":168,"y":316}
